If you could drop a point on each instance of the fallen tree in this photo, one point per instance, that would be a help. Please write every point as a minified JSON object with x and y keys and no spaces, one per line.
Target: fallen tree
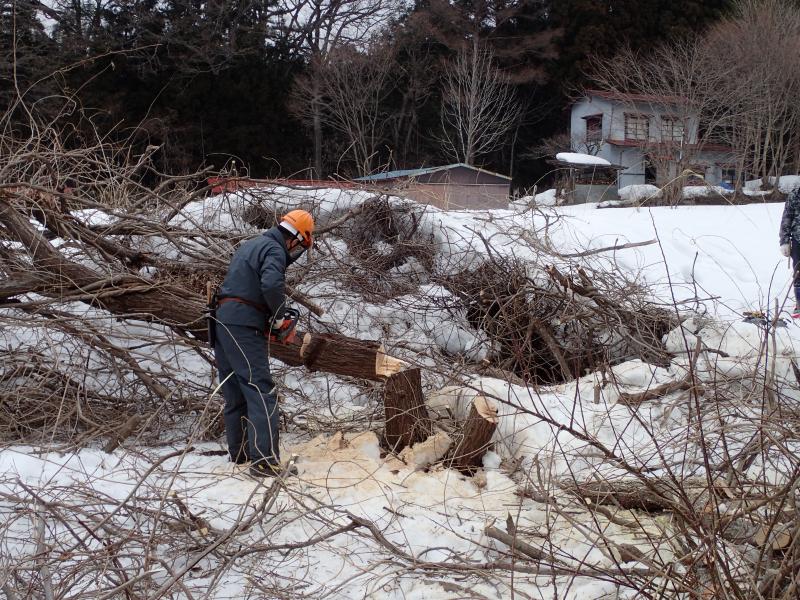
{"x":115,"y":285}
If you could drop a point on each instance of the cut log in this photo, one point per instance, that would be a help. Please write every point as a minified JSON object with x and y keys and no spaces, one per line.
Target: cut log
{"x":407,"y":419}
{"x":467,"y":455}
{"x":332,"y":353}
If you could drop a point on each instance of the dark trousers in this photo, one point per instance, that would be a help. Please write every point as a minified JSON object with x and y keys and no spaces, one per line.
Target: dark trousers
{"x":251,"y":408}
{"x":795,"y":268}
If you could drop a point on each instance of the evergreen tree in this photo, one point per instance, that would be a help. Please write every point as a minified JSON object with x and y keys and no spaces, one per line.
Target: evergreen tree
{"x":600,"y":27}
{"x":24,"y":51}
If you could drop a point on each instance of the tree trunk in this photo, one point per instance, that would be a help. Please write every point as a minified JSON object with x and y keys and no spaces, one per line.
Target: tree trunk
{"x":131,"y":296}
{"x":467,"y":454}
{"x":407,"y":419}
{"x":317,"y":130}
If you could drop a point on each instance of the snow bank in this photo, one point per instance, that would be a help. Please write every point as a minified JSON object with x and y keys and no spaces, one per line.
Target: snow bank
{"x":546,"y":198}
{"x":637,"y":193}
{"x":786,"y":184}
{"x":698,"y":191}
{"x":727,"y":256}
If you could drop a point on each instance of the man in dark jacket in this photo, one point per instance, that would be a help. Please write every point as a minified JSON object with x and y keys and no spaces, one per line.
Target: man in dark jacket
{"x":251,"y":303}
{"x":790,"y":241}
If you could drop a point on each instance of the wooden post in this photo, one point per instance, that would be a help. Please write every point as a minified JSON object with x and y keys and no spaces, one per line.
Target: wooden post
{"x":479,"y":428}
{"x":407,"y":419}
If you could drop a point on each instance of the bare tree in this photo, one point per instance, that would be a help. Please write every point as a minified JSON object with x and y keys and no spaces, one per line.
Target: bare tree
{"x":756,"y":56}
{"x":478,"y":105}
{"x":347,"y":95}
{"x":669,"y":88}
{"x":315,"y":28}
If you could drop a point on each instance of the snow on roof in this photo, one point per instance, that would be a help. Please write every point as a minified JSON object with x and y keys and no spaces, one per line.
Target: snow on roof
{"x":575,"y":158}
{"x":424,"y":171}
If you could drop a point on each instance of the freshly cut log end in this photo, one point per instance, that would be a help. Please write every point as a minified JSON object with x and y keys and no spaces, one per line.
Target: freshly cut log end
{"x":386,"y":366}
{"x":467,"y":455}
{"x":486,"y":409}
{"x":407,"y":418}
{"x":311,"y":350}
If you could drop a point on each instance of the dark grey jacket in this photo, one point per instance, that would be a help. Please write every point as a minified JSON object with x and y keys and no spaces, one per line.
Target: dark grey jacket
{"x":790,"y":223}
{"x":256,"y":274}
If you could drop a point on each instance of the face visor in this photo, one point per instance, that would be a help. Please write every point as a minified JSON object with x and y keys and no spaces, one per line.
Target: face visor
{"x":300,"y":244}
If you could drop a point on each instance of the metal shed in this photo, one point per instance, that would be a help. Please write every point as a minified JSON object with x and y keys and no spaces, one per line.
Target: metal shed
{"x":449,"y":187}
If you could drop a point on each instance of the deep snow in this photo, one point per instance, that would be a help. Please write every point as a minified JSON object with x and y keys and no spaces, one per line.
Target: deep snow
{"x":716,"y":261}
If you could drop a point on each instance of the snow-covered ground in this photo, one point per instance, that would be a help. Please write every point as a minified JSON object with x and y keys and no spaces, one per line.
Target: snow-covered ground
{"x":727,"y":256}
{"x":313,"y":537}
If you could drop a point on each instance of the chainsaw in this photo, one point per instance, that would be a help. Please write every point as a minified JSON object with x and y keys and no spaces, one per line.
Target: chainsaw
{"x":288,"y":329}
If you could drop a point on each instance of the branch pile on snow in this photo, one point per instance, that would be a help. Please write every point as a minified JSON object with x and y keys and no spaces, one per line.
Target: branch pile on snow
{"x":550,"y":428}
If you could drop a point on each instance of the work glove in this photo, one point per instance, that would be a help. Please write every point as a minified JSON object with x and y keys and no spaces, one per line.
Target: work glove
{"x":786,"y":249}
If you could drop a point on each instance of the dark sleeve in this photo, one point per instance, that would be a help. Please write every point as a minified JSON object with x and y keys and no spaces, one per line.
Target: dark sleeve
{"x":789,"y":214}
{"x":273,"y":278}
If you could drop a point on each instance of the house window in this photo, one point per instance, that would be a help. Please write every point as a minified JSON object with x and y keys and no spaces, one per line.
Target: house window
{"x":637,"y":127}
{"x":672,"y":129}
{"x":594,"y":128}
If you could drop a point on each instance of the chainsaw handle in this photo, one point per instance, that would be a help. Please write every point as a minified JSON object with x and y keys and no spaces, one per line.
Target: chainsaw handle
{"x":286,"y":333}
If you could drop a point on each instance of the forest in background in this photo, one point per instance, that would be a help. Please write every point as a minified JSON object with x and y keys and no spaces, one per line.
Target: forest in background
{"x":284,"y":87}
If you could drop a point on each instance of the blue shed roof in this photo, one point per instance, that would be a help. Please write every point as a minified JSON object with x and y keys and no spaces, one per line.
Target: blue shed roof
{"x":423,"y":171}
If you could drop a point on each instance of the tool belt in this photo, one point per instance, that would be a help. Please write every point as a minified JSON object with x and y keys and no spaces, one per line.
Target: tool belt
{"x":255,"y":305}
{"x":215,"y":301}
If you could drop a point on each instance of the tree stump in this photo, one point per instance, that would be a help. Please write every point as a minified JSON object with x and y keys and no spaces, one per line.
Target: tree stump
{"x":407,"y":418}
{"x":467,"y":454}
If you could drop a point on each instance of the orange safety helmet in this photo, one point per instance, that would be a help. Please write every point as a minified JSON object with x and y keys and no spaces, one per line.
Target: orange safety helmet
{"x":300,"y":225}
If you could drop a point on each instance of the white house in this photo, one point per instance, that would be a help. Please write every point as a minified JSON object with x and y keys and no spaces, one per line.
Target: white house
{"x":645,"y":134}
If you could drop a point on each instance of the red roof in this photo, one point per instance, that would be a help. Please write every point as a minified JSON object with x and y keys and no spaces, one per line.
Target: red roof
{"x":231,"y":184}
